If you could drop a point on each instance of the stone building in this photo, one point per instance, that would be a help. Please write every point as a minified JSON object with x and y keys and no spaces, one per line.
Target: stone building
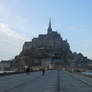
{"x":5,"y":65}
{"x":50,"y":40}
{"x":49,"y":49}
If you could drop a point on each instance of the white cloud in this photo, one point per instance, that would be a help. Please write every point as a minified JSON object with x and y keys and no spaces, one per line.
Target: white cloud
{"x":11,"y":32}
{"x":10,"y":42}
{"x":5,"y":29}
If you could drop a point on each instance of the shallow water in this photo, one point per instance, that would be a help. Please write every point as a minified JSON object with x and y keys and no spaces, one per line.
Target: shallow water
{"x":88,"y":73}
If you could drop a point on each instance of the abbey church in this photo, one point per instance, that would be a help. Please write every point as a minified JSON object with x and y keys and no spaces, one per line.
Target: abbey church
{"x":51,"y":40}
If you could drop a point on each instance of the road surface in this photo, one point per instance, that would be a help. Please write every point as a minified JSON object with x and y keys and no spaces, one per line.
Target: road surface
{"x":53,"y":81}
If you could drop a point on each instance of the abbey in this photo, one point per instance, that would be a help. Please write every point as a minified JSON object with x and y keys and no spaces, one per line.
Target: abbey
{"x":51,"y":40}
{"x":45,"y":51}
{"x":49,"y":51}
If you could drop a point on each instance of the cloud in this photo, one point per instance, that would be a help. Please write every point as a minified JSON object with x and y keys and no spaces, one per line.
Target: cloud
{"x":12,"y":29}
{"x":5,"y":29}
{"x":10,"y":42}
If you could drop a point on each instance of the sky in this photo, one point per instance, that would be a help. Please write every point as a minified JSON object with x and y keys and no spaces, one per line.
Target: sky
{"x":22,"y":20}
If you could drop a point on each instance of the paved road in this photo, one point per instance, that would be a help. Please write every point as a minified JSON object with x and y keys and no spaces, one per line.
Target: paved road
{"x":53,"y":81}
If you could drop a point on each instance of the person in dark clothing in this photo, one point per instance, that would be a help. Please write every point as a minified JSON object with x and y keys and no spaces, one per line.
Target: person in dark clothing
{"x":27,"y":70}
{"x":43,"y":72}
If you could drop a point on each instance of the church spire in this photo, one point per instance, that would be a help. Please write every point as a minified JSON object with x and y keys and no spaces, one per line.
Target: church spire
{"x":50,"y":23}
{"x":49,"y":28}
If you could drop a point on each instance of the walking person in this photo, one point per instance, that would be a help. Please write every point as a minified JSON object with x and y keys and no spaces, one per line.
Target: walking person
{"x":27,"y":69}
{"x":43,"y":72}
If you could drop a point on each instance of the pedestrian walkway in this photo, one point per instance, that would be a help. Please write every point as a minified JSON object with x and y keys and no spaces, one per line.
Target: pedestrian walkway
{"x":71,"y":83}
{"x":86,"y":80}
{"x":52,"y":81}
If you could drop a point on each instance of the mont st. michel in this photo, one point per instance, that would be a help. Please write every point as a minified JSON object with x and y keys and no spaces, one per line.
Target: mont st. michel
{"x":49,"y":51}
